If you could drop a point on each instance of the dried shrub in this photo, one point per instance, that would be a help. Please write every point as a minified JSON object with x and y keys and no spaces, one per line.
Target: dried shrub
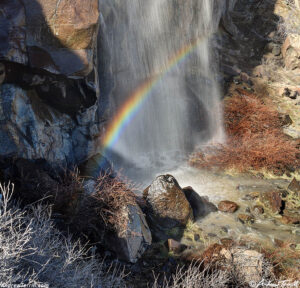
{"x":255,"y":138}
{"x":35,"y":254}
{"x":113,"y":196}
{"x":285,"y":260}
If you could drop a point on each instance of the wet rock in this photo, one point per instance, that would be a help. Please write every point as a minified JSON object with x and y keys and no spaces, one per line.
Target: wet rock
{"x":130,"y":243}
{"x":257,"y":209}
{"x":196,"y":237}
{"x":176,"y":247}
{"x":200,"y":205}
{"x":167,"y":206}
{"x":272,"y":200}
{"x":228,"y":206}
{"x":246,"y":219}
{"x":294,"y":219}
{"x":295,"y":186}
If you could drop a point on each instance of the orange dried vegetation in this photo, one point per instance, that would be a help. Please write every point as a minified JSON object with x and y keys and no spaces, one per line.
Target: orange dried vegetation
{"x":255,"y":138}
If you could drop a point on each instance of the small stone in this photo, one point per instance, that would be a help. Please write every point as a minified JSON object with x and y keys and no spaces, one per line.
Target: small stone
{"x":212,"y":235}
{"x":175,"y":247}
{"x":294,"y":186}
{"x":260,"y":176}
{"x":247,"y":197}
{"x":276,"y":51}
{"x":294,"y":95}
{"x":285,"y":120}
{"x":272,"y":200}
{"x":196,"y":237}
{"x":228,"y":206}
{"x":254,"y":195}
{"x":257,"y":209}
{"x":224,"y":229}
{"x":290,"y":220}
{"x":244,"y":218}
{"x":287,"y":92}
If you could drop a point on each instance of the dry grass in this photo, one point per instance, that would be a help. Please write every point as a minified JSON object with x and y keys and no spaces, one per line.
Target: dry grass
{"x":113,"y":196}
{"x":195,"y":276}
{"x":255,"y":138}
{"x":284,"y":260}
{"x":35,"y":253}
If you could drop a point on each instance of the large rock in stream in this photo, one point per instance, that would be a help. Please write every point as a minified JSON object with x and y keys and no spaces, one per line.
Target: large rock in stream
{"x":168,"y":207}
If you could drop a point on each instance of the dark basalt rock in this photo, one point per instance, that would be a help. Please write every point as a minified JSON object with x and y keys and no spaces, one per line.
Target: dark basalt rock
{"x":200,"y":205}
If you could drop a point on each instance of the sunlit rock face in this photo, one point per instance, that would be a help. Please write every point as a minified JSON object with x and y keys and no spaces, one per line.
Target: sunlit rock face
{"x":49,"y":83}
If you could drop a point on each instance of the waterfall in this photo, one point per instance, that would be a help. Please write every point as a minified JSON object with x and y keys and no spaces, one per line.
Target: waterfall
{"x":169,"y":41}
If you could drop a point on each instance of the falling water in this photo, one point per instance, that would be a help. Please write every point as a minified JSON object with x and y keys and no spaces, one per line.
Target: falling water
{"x":182,"y":110}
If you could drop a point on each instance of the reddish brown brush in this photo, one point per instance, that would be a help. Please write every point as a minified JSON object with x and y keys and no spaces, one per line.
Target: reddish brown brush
{"x":113,"y":196}
{"x":255,"y":138}
{"x":284,"y":260}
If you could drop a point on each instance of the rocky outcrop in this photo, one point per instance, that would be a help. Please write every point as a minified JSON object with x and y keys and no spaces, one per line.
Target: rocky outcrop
{"x":49,"y":83}
{"x":167,"y":206}
{"x":291,"y":52}
{"x":131,"y":243}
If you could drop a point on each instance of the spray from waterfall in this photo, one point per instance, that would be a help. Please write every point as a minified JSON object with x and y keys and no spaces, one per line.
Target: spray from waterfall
{"x":162,"y":104}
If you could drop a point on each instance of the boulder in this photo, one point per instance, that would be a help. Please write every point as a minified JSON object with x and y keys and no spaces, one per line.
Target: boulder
{"x":200,"y":205}
{"x":248,"y":264}
{"x":167,"y":206}
{"x":272,"y":200}
{"x":228,"y":206}
{"x":131,"y":242}
{"x":291,"y":51}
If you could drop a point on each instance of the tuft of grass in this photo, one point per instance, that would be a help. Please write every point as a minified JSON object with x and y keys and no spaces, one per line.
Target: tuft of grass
{"x":255,"y":139}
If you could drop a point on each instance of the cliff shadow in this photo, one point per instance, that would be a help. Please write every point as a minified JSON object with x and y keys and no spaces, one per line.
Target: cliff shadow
{"x":247,"y":32}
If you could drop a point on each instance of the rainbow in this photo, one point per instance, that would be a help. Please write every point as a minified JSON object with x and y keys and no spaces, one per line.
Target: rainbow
{"x":133,"y":104}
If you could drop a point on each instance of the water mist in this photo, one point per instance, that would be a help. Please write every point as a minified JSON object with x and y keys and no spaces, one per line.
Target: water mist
{"x":181,"y":109}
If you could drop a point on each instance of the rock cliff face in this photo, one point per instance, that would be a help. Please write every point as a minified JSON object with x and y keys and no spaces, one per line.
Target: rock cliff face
{"x":49,"y":82}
